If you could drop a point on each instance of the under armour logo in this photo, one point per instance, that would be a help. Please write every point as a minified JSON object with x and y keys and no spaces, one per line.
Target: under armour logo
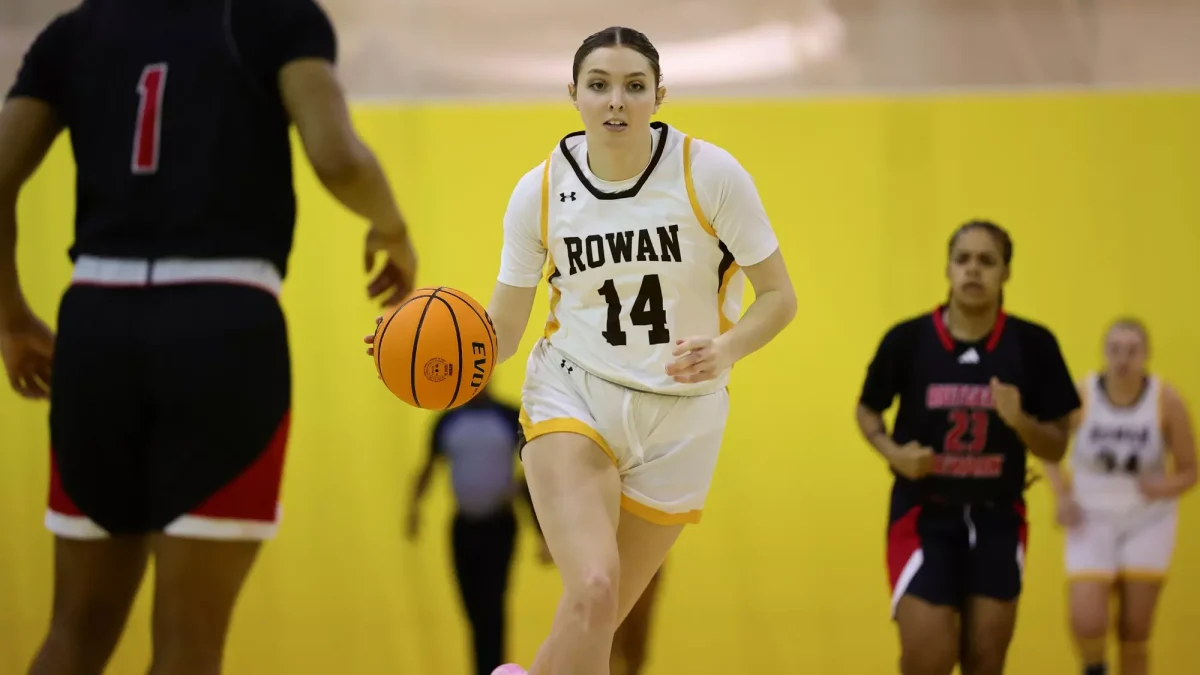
{"x":563,"y":196}
{"x":563,"y":364}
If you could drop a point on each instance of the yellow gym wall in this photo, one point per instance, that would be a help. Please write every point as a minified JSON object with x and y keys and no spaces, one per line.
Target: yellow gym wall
{"x":786,"y":573}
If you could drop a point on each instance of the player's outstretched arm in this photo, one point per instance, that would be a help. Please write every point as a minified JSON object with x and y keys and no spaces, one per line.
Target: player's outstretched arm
{"x":510,"y":309}
{"x":345,"y":166}
{"x":521,"y":259}
{"x":28,"y":128}
{"x":349,"y":170}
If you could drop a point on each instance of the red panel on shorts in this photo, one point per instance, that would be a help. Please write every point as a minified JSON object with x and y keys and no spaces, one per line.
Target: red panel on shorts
{"x":903,"y":542}
{"x":254,"y":494}
{"x":1023,"y":530}
{"x":59,"y":501}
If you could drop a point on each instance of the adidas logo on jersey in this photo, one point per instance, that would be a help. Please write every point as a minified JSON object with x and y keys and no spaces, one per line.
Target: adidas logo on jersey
{"x":564,"y":196}
{"x":969,"y":356}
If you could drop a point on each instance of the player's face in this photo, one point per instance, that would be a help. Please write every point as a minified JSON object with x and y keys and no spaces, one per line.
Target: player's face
{"x":1125,"y":352}
{"x":616,"y":94}
{"x":976,"y":270}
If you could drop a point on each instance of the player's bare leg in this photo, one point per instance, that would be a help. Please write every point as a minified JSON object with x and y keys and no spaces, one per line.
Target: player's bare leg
{"x":629,"y":643}
{"x":95,"y":583}
{"x":987,"y":630}
{"x":643,"y":546}
{"x":1138,"y":602}
{"x":1089,"y":620}
{"x":197,"y":585}
{"x":576,"y":492}
{"x":929,"y":637}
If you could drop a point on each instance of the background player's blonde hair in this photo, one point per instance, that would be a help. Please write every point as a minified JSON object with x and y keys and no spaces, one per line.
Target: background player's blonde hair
{"x":1130,"y":323}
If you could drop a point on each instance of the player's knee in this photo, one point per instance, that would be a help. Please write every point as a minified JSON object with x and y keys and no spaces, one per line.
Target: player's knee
{"x":1088,"y":624}
{"x":984,"y":657}
{"x":592,"y":599}
{"x":1134,"y":631}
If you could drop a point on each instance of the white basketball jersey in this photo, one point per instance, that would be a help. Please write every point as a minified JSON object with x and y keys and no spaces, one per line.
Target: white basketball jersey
{"x":1114,"y":445}
{"x":630,"y":272}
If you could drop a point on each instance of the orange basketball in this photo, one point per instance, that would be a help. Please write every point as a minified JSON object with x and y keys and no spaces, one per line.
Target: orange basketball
{"x":437,"y":349}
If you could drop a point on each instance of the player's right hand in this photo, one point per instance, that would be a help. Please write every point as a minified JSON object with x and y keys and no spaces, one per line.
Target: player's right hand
{"x":912,"y":460}
{"x":369,"y":338}
{"x":27,"y":348}
{"x":1067,"y":512}
{"x":398,"y":274}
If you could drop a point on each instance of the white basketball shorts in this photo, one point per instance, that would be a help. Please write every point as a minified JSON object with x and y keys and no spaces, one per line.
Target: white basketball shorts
{"x":1135,"y":546}
{"x":664,"y":447}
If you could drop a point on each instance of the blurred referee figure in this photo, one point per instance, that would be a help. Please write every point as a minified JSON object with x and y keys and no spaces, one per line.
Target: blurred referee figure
{"x":479,"y":440}
{"x":171,"y":383}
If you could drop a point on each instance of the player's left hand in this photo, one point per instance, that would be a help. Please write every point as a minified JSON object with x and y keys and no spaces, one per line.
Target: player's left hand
{"x":698,"y":359}
{"x":27,"y":348}
{"x":1007,"y":400}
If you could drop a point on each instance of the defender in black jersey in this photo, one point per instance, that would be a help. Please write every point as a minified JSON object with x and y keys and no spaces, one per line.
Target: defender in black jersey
{"x":171,"y":384}
{"x":978,"y":388}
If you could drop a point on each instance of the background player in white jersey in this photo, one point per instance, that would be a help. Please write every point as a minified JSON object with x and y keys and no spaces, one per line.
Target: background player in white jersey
{"x":1119,"y":504}
{"x":644,"y":235}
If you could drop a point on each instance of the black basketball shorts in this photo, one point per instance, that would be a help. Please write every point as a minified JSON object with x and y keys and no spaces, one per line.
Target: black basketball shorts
{"x":944,"y":553}
{"x":169,"y":411}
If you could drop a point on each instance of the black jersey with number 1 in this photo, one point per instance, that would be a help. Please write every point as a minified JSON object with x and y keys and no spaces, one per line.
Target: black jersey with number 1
{"x":176,"y":121}
{"x":946,"y":401}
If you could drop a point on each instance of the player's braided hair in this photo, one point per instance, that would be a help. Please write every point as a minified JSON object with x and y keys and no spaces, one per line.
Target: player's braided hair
{"x":617,"y":36}
{"x":999,"y":234}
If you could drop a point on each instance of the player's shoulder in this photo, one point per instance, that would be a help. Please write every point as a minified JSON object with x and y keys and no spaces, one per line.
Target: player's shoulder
{"x":67,"y":22}
{"x":526,"y":197}
{"x":910,"y":328}
{"x":1031,"y":332}
{"x":530,"y":182}
{"x":706,"y":155}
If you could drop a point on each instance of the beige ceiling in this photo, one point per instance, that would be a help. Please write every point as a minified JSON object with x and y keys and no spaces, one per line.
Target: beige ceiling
{"x":523,"y":48}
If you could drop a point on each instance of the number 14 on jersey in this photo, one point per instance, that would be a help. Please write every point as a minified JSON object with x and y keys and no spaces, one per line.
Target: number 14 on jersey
{"x":647,"y":310}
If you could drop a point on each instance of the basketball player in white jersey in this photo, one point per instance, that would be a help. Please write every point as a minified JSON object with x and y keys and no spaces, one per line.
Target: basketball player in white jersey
{"x":644,"y":236}
{"x":1119,"y":503}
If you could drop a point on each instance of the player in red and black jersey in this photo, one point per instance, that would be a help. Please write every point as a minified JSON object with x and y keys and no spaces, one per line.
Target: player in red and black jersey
{"x":978,"y":388}
{"x":170,"y":392}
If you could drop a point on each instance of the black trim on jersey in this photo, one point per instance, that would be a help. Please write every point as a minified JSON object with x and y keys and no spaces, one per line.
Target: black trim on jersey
{"x":664,"y":132}
{"x":947,"y":340}
{"x":1102,"y":381}
{"x":727,"y":261}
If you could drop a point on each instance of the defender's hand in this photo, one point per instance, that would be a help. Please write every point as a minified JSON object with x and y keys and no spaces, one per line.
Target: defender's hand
{"x":395,"y":280}
{"x":27,"y":348}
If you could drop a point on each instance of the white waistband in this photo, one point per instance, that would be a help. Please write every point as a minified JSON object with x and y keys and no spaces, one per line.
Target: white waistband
{"x":130,"y":272}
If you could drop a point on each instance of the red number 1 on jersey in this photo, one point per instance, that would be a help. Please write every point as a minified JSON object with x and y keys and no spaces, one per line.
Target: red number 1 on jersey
{"x":147,"y":136}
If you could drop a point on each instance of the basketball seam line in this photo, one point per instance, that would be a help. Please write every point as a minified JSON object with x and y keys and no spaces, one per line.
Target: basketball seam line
{"x":458,"y":336}
{"x":379,"y":339}
{"x":412,"y":364}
